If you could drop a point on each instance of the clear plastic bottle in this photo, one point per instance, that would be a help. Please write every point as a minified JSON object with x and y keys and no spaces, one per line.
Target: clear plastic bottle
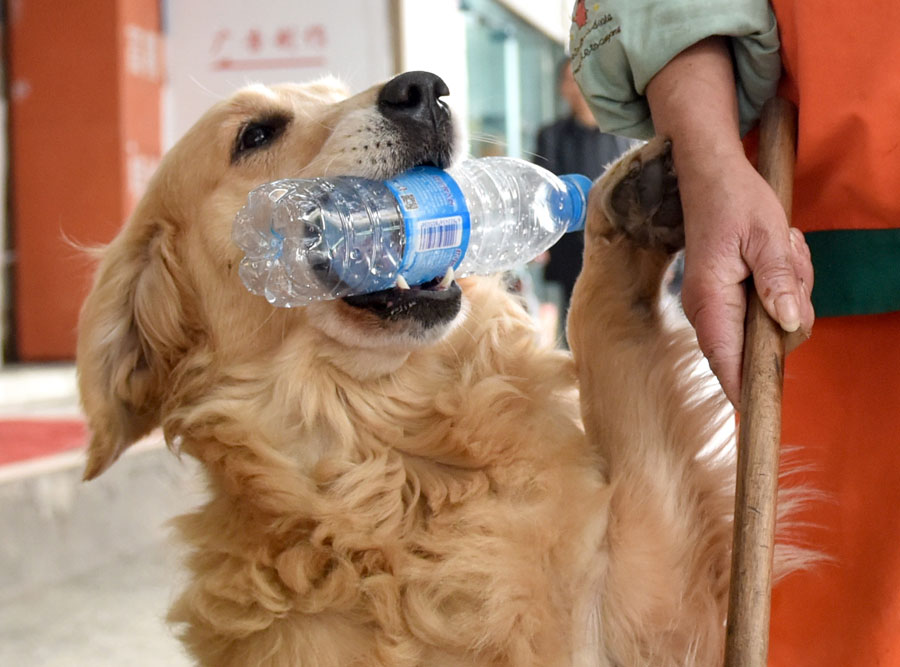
{"x":315,"y":239}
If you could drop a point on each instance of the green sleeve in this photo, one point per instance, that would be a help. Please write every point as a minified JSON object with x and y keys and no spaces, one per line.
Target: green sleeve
{"x":617,"y":46}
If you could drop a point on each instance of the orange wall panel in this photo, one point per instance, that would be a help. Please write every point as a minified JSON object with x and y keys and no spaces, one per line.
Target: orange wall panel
{"x":75,"y":111}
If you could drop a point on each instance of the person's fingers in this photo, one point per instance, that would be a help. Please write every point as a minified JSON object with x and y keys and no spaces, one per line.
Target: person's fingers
{"x":802,"y":261}
{"x":803,"y":268}
{"x":717,"y":313}
{"x":771,"y":259}
{"x":801,"y":257}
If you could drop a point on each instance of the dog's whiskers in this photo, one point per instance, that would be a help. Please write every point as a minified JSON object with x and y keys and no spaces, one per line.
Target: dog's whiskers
{"x":325,"y":171}
{"x":214,"y":95}
{"x":493,"y":140}
{"x":265,"y":321}
{"x":315,"y":165}
{"x":487,"y":139}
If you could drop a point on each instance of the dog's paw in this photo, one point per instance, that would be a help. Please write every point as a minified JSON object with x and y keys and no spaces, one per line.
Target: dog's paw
{"x":641,"y":198}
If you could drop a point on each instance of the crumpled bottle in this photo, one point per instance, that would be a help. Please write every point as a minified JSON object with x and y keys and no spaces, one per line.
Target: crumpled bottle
{"x":307,"y":240}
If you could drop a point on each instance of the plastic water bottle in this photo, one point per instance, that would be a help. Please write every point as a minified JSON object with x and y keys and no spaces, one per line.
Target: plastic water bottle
{"x":313,"y":239}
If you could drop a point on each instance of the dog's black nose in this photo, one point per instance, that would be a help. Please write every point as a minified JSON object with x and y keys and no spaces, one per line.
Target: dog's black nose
{"x":413,"y":97}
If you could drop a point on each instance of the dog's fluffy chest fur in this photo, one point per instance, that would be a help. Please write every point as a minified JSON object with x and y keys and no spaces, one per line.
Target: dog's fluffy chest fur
{"x":426,"y":514}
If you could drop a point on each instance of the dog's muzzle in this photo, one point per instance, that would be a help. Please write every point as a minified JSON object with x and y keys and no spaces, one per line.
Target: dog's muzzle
{"x":424,"y":127}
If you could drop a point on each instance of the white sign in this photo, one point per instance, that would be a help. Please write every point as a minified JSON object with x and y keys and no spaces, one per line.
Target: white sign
{"x":214,"y":48}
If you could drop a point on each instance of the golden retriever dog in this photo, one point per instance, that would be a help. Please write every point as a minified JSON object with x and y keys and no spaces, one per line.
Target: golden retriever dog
{"x":411,"y":477}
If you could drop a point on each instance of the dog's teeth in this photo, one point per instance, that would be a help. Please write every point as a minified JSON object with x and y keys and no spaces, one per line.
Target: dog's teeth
{"x":448,"y":279}
{"x":401,"y":282}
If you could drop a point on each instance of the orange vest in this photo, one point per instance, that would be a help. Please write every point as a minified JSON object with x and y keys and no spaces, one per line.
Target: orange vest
{"x":842,"y":392}
{"x":842,"y":69}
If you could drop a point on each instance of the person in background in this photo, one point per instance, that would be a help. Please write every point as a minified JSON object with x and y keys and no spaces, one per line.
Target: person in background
{"x":699,"y":73}
{"x":573,"y":145}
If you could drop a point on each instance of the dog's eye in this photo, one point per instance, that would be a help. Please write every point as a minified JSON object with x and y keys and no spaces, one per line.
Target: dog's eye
{"x":256,"y":134}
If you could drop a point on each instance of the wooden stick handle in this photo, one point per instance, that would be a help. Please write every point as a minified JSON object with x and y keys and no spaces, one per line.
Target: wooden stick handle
{"x":759,"y":439}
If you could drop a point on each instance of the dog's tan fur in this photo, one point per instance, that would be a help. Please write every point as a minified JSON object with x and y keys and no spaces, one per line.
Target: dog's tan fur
{"x":383,"y":497}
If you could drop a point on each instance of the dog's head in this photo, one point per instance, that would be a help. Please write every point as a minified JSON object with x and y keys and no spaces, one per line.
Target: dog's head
{"x":167,"y":299}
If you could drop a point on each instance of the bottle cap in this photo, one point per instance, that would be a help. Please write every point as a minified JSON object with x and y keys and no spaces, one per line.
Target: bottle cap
{"x":578,"y":186}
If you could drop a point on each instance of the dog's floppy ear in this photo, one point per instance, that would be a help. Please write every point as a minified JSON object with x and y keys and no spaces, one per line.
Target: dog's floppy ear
{"x":131,"y":328}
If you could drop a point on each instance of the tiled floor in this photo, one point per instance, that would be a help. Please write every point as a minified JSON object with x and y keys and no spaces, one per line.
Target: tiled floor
{"x":66,"y":598}
{"x":110,"y":617}
{"x":48,"y":390}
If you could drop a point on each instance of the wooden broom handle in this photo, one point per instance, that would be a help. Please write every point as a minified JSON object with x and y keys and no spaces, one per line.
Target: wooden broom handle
{"x":759,"y":439}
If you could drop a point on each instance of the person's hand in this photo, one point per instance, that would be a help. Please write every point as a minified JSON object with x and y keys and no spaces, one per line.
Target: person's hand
{"x":735,"y":226}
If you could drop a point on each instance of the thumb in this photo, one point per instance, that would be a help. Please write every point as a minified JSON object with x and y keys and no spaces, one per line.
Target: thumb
{"x":779,"y":288}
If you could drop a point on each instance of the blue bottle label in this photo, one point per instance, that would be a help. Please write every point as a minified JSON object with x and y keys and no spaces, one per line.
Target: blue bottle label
{"x":436,"y":221}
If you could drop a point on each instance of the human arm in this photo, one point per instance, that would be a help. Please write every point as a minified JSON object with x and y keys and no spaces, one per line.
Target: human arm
{"x":618,"y":46}
{"x":734,"y":223}
{"x":678,"y":59}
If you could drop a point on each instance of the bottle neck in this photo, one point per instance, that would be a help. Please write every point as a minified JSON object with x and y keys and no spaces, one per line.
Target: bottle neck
{"x":578,"y":186}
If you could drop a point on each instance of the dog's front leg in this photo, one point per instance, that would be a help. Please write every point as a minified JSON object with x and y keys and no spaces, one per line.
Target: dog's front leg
{"x":648,"y":412}
{"x":616,"y":328}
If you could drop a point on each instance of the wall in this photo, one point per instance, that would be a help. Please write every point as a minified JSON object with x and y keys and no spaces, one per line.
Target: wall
{"x":553,"y":17}
{"x":84,"y":137}
{"x":213,"y":48}
{"x":5,"y":315}
{"x":433,"y":38}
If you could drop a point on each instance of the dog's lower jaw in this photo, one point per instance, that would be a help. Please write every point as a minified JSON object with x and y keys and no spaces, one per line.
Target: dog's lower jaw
{"x":390,"y":339}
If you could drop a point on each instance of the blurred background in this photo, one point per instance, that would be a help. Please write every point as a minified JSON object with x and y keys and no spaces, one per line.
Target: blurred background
{"x":94,"y":91}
